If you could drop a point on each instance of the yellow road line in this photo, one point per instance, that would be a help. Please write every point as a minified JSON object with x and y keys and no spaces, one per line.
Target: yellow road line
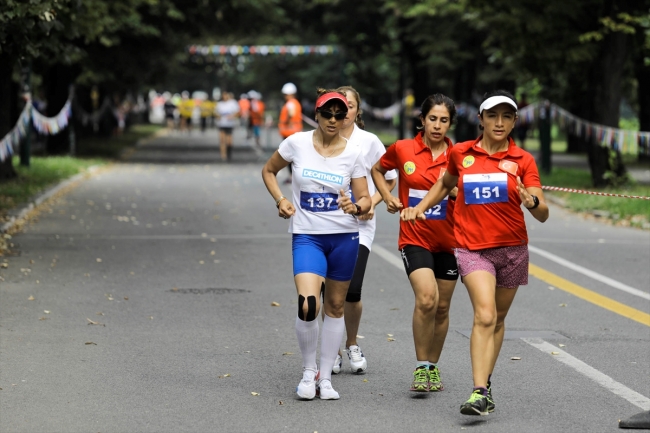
{"x":589,"y":296}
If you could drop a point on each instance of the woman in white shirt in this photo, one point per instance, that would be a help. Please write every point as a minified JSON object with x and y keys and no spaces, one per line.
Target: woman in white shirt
{"x":325,"y":231}
{"x":227,"y":112}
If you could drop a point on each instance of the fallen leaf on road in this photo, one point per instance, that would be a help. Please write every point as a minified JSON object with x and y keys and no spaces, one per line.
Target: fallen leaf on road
{"x":4,"y":265}
{"x":275,"y":304}
{"x":126,"y":298}
{"x":31,"y":298}
{"x":562,"y":305}
{"x":390,"y":335}
{"x":46,"y":311}
{"x":99,"y":313}
{"x":551,"y":288}
{"x":204,"y":235}
{"x":281,"y":403}
{"x":555,"y":353}
{"x":150,"y":317}
{"x":365,"y":380}
{"x":87,"y":343}
{"x":201,"y":262}
{"x":99,"y":260}
{"x":562,"y":345}
{"x":287,"y":353}
{"x":390,"y":339}
{"x":360,"y":336}
{"x":212,"y":253}
{"x":44,"y":318}
{"x":516,"y":358}
{"x":224,"y":375}
{"x":92,"y":322}
{"x":255,"y":393}
{"x":175,"y":289}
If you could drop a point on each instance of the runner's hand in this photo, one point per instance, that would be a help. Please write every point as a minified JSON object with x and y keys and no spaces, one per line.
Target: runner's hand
{"x":345,"y":203}
{"x":411,"y":214}
{"x":524,"y":195}
{"x":393,"y":205}
{"x":368,"y":216}
{"x":286,"y":209}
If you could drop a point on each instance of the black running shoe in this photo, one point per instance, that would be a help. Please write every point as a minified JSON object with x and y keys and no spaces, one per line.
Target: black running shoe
{"x":491,"y":405}
{"x":477,"y":404}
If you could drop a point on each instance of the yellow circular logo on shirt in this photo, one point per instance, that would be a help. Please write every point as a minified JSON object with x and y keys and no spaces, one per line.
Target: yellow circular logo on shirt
{"x":468,"y":161}
{"x":409,"y":167}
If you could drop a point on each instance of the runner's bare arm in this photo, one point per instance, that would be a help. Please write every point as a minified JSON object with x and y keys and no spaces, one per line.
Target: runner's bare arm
{"x":384,"y":188}
{"x":269,"y":176}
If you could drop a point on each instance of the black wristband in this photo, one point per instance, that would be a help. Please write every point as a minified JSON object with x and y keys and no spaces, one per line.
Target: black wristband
{"x":535,"y":201}
{"x":358,"y":209}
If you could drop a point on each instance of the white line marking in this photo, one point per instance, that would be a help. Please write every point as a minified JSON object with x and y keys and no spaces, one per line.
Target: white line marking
{"x":600,"y":378}
{"x":595,"y":275}
{"x":388,"y":256}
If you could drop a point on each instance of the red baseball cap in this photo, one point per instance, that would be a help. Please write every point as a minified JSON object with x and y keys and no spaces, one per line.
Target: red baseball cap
{"x":326,"y":97}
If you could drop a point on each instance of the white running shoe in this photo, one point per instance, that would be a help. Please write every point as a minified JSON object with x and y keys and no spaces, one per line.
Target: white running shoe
{"x":326,"y":391}
{"x":337,"y":365}
{"x":358,"y":363}
{"x":307,"y":387}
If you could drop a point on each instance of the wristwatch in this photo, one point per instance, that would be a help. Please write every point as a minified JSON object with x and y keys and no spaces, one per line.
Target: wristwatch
{"x":358,"y":209}
{"x":535,"y":201}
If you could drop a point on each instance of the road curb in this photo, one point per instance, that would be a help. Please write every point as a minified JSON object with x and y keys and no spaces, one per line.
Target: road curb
{"x":21,"y":213}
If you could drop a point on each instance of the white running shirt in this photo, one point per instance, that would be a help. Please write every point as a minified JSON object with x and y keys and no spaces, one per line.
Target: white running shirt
{"x":372,"y":149}
{"x":315,"y":184}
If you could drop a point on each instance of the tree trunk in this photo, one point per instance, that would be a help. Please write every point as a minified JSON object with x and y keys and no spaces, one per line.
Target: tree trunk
{"x":57,"y":82}
{"x":642,"y":72}
{"x":6,"y":67}
{"x":606,"y":80}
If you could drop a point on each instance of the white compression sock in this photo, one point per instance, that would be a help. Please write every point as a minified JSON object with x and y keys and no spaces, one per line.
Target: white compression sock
{"x":307,"y":333}
{"x":333,"y":330}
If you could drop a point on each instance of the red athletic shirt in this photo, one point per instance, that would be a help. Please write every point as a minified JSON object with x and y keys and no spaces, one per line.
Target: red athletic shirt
{"x":417,"y":174}
{"x":488,"y":210}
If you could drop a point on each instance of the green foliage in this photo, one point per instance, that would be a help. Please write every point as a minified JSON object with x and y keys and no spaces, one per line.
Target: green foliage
{"x":43,"y":173}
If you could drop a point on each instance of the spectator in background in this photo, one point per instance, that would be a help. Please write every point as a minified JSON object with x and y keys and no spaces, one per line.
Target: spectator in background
{"x":290,"y":120}
{"x":521,"y":131}
{"x":244,"y":112}
{"x":256,"y":116}
{"x":227,"y":113}
{"x":169,"y":108}
{"x":207,"y":113}
{"x":185,"y":108}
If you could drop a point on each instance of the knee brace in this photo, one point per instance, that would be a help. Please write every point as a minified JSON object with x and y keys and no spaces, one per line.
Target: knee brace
{"x":311,"y":308}
{"x":353,"y":297}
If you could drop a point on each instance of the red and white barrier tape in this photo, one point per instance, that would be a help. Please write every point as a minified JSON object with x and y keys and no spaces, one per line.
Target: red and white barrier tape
{"x":579,"y":191}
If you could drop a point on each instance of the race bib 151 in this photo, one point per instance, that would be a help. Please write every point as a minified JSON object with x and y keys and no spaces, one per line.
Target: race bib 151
{"x":485,"y":188}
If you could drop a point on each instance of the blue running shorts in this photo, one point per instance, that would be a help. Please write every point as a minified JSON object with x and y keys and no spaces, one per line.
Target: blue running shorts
{"x":332,"y":256}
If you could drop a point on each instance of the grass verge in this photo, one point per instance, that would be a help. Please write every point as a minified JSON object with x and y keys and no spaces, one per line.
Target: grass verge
{"x":622,"y":211}
{"x":42,"y":173}
{"x":112,"y":147}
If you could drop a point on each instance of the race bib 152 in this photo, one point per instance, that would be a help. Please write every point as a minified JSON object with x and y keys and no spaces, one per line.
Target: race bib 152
{"x":437,"y":212}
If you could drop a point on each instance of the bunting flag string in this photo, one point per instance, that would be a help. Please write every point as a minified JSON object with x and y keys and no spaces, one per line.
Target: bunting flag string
{"x":44,"y":125}
{"x":624,"y":140}
{"x":263,"y":50}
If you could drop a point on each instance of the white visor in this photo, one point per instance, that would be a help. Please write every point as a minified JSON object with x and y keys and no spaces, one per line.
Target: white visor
{"x":493,"y":101}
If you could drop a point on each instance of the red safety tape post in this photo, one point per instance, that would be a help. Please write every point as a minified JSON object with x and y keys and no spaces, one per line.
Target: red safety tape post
{"x":579,"y":191}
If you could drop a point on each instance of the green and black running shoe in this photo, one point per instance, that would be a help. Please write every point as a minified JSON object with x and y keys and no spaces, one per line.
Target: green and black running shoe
{"x":420,"y":380}
{"x":476,"y":405}
{"x":435,"y":384}
{"x":491,"y":405}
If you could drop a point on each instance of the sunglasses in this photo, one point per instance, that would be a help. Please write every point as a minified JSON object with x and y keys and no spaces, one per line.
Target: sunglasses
{"x":328,"y":114}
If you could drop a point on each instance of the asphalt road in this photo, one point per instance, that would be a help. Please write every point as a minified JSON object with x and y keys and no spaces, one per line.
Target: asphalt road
{"x":153,"y":285}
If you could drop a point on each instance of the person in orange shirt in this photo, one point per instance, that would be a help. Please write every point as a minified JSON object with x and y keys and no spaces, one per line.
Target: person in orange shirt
{"x":427,"y":250}
{"x":256,"y":116}
{"x":290,"y":120}
{"x":244,"y":112}
{"x":495,"y":178}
